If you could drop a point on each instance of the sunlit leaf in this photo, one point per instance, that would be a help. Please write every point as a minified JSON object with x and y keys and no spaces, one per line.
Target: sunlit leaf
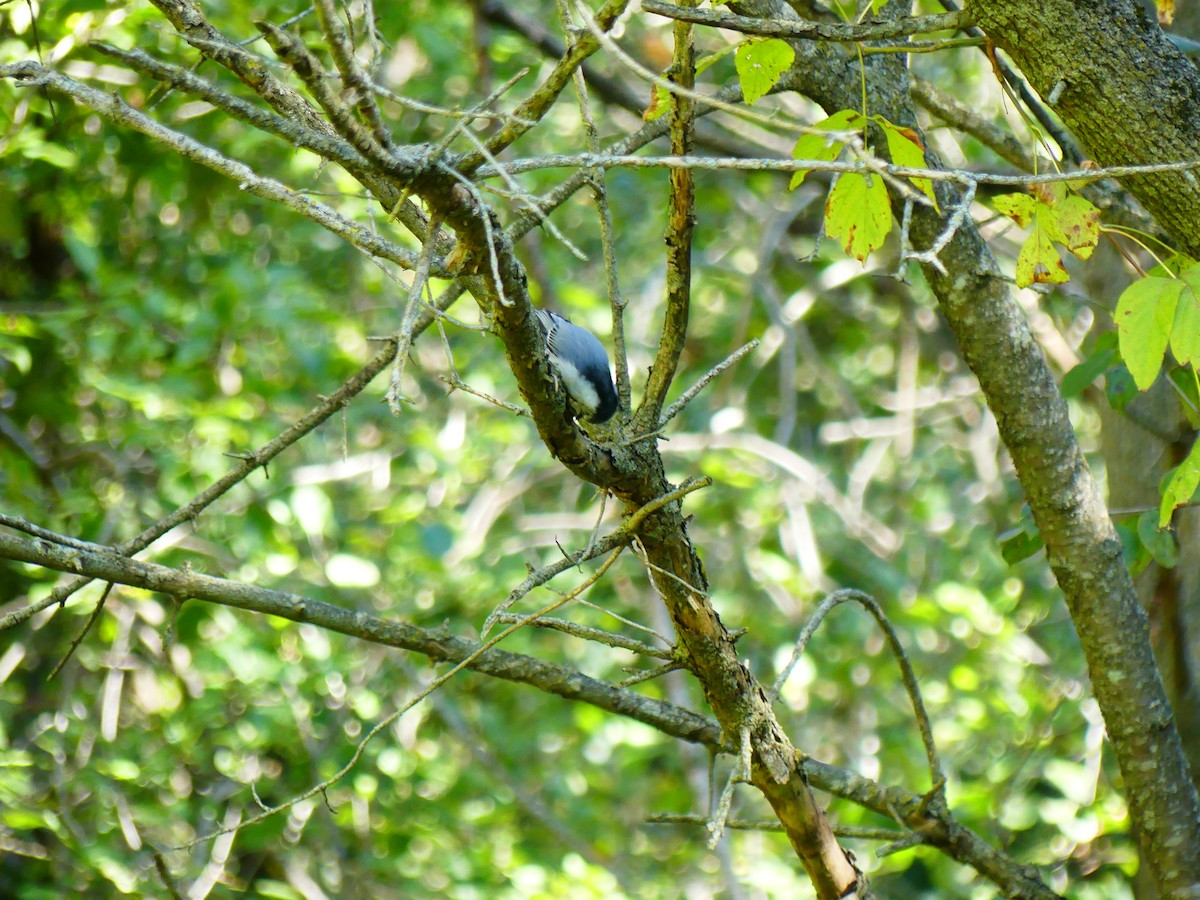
{"x":1145,"y":315}
{"x":905,"y":148}
{"x":1018,"y":207}
{"x":858,"y":213}
{"x":1185,"y":330}
{"x":1039,"y":262}
{"x":816,"y":145}
{"x":1181,"y":486}
{"x":760,"y":65}
{"x":1092,"y":367}
{"x":1079,"y":225}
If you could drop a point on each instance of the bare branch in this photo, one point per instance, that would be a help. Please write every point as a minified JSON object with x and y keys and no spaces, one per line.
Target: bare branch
{"x":817,"y":31}
{"x":690,"y":394}
{"x":681,"y":220}
{"x":111,"y":107}
{"x":936,"y":775}
{"x":587,"y":633}
{"x":539,"y":103}
{"x":342,"y":51}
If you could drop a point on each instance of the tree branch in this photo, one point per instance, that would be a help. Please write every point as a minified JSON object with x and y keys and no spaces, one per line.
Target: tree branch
{"x":799,"y":29}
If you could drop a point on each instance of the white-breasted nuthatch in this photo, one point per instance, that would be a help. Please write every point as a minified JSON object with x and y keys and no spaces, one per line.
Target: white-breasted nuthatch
{"x":581,"y":362}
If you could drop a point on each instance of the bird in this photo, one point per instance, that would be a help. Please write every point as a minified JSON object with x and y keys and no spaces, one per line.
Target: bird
{"x":581,"y":363}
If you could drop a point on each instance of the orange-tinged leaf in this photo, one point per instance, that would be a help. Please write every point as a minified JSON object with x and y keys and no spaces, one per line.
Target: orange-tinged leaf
{"x":1079,"y":224}
{"x":659,"y":103}
{"x":1018,"y":207}
{"x":905,"y":148}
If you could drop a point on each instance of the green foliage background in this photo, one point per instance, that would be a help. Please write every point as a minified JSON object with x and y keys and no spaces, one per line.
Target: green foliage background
{"x":154,"y":319}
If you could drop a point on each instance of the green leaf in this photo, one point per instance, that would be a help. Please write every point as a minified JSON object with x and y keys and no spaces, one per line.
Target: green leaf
{"x":815,"y":145}
{"x":1057,"y":217}
{"x":708,"y":60}
{"x":1173,"y":266}
{"x":1023,"y":541}
{"x":1136,"y":556}
{"x":1096,"y":364}
{"x":905,"y":148}
{"x":760,"y":65}
{"x":1145,"y":314}
{"x":1185,"y":330}
{"x":1019,"y":546}
{"x":1181,"y":486}
{"x":858,"y":213}
{"x":1119,"y":387}
{"x":1184,"y":378}
{"x":1159,"y":543}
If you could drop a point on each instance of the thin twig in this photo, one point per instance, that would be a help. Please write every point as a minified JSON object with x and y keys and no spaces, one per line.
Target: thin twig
{"x":769,"y":164}
{"x":87,"y":626}
{"x":739,"y":773}
{"x":588,"y":633}
{"x":690,"y":394}
{"x":112,"y":107}
{"x":955,"y":221}
{"x":192,"y":509}
{"x":637,"y":626}
{"x":869,"y":603}
{"x":651,"y":674}
{"x":620,"y":537}
{"x":850,"y":831}
{"x":404,"y":336}
{"x":342,"y":51}
{"x":543,"y":98}
{"x":19,"y":524}
{"x":456,"y":383}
